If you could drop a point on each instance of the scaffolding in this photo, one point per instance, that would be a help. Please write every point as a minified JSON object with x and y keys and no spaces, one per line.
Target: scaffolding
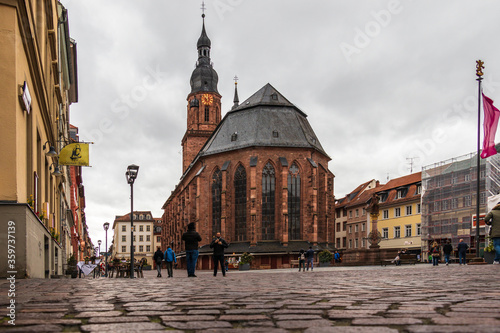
{"x":449,"y":194}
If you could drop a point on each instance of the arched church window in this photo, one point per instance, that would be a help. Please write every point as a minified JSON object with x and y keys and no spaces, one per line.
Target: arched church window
{"x":207,"y":113}
{"x":216,"y":200}
{"x":268,"y":202}
{"x":293,"y":202}
{"x":240,"y":204}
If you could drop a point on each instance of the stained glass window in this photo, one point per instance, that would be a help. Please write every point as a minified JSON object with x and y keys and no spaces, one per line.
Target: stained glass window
{"x":216,"y":201}
{"x":294,"y":203}
{"x":240,"y":202}
{"x":268,"y":202}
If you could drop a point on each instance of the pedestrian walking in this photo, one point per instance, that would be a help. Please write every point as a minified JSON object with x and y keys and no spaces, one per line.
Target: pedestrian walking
{"x":310,"y":258}
{"x":447,"y":250}
{"x":435,"y":253}
{"x":158,"y":258}
{"x":493,"y":219}
{"x":336,"y":257}
{"x":219,"y":244}
{"x":170,"y":259}
{"x":191,"y":239}
{"x":302,"y":260}
{"x":462,"y":251}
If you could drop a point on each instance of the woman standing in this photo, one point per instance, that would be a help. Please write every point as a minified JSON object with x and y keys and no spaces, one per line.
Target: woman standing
{"x":435,"y":252}
{"x":302,"y":260}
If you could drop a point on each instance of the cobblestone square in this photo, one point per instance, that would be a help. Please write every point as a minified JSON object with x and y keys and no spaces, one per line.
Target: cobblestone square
{"x":418,"y":298}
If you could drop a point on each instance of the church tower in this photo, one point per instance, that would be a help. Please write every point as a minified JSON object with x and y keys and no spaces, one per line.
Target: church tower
{"x":204,"y":102}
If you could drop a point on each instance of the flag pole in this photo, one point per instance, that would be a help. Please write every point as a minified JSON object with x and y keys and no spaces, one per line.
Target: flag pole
{"x":479,"y":74}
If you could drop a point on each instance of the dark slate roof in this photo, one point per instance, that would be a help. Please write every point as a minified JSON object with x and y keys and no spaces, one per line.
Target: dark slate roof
{"x":203,"y":40}
{"x":267,"y":119}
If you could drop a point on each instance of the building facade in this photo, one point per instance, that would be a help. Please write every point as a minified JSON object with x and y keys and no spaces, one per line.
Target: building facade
{"x":399,"y":222}
{"x":449,"y":199}
{"x":39,"y":83}
{"x":259,"y":175}
{"x":144,"y":241}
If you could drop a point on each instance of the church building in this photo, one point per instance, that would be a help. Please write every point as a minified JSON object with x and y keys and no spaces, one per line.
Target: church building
{"x":259,"y":175}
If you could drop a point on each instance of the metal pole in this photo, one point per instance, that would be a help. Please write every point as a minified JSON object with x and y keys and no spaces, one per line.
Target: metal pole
{"x":106,"y":267}
{"x":479,"y":73}
{"x":132,"y":230}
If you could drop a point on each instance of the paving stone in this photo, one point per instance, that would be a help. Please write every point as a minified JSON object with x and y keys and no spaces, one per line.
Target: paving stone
{"x":20,"y":322}
{"x":465,"y":320}
{"x":301,"y":324}
{"x":452,"y":329}
{"x":94,"y":314}
{"x":204,"y":312}
{"x":198,"y":325}
{"x":386,"y":321}
{"x":121,"y":319}
{"x":187,"y":318}
{"x":350,"y":329}
{"x":36,"y":328}
{"x":123,"y":327}
{"x":454,"y":314}
{"x":296,"y":317}
{"x":243,"y":317}
{"x":245,"y":330}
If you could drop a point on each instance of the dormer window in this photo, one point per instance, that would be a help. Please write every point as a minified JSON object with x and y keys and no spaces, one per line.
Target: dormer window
{"x":383,"y":196}
{"x":275,"y":134}
{"x":234,"y":136}
{"x":274,"y":97}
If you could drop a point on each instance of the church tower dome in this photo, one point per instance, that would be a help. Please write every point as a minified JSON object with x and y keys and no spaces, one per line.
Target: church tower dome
{"x":204,"y":77}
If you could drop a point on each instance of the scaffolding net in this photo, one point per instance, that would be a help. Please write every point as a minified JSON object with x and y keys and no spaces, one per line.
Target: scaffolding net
{"x":449,"y":194}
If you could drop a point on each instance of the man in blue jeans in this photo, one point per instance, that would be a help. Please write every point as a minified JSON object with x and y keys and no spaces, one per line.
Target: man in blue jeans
{"x":191,"y":239}
{"x":462,"y":251}
{"x":493,"y":219}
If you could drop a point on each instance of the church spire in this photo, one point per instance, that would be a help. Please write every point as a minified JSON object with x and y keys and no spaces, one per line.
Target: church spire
{"x":236,"y":99}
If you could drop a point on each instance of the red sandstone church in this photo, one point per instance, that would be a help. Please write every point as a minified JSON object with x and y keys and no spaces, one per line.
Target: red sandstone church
{"x":259,"y":175}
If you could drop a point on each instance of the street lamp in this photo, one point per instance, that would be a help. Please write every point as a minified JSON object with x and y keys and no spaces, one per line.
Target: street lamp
{"x":131,"y":174}
{"x":99,"y":242}
{"x":106,"y":227}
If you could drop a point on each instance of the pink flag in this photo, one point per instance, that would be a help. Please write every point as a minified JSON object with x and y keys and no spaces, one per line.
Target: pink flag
{"x":491,"y":114}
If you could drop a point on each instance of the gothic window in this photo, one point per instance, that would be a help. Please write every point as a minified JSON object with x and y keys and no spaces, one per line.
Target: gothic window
{"x":240,"y":202}
{"x":207,"y":113}
{"x":294,"y":203}
{"x":216,"y":200}
{"x":268,"y":205}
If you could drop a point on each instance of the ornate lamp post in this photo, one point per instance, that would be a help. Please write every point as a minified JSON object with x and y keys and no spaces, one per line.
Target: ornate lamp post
{"x":99,"y":247}
{"x":131,"y":174}
{"x":106,"y":227}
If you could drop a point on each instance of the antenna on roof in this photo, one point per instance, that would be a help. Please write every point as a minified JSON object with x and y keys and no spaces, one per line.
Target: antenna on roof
{"x":387,"y":177}
{"x":411,"y":162}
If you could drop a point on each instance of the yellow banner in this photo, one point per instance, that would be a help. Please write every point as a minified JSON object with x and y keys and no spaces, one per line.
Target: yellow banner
{"x":75,"y":154}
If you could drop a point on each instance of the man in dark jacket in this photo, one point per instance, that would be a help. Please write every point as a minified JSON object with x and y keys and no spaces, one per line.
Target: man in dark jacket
{"x":462,"y":250}
{"x":219,"y":244}
{"x":493,"y":219}
{"x":310,"y":258}
{"x":158,"y":258}
{"x":191,"y":239}
{"x":447,"y":250}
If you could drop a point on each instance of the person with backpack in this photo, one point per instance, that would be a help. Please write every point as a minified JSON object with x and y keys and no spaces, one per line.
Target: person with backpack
{"x":170,"y":258}
{"x":158,"y":258}
{"x":302,"y":260}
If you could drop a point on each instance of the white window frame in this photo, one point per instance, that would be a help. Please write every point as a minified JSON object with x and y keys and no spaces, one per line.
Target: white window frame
{"x":385,"y":233}
{"x":419,"y":229}
{"x":124,"y":238}
{"x":409,"y":210}
{"x":397,"y":232}
{"x":124,"y":248}
{"x":124,"y":228}
{"x":397,"y":212}
{"x":385,"y":214}
{"x":419,"y":208}
{"x":408,"y":230}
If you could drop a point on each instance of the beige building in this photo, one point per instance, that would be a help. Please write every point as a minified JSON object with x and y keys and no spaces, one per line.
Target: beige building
{"x":144,"y":241}
{"x":38,"y":84}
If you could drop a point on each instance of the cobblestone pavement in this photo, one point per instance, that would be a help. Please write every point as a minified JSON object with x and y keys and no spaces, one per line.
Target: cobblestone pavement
{"x":417,"y":298}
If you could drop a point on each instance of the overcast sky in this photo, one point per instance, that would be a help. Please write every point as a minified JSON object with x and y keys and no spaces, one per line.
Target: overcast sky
{"x":380,"y":81}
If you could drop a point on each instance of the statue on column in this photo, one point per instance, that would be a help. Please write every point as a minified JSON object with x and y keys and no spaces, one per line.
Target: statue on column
{"x":374,"y":237}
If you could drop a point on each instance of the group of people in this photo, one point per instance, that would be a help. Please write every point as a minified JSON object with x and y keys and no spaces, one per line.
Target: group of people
{"x":191,"y":240}
{"x":303,"y":256}
{"x":169,"y":257}
{"x":435,"y":252}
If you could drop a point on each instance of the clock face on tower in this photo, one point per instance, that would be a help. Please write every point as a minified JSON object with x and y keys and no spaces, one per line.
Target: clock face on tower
{"x":207,"y":99}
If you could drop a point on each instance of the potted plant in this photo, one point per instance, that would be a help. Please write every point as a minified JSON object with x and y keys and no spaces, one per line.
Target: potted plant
{"x":325,"y":257}
{"x":245,"y":261}
{"x":71,"y":270}
{"x":489,"y":251}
